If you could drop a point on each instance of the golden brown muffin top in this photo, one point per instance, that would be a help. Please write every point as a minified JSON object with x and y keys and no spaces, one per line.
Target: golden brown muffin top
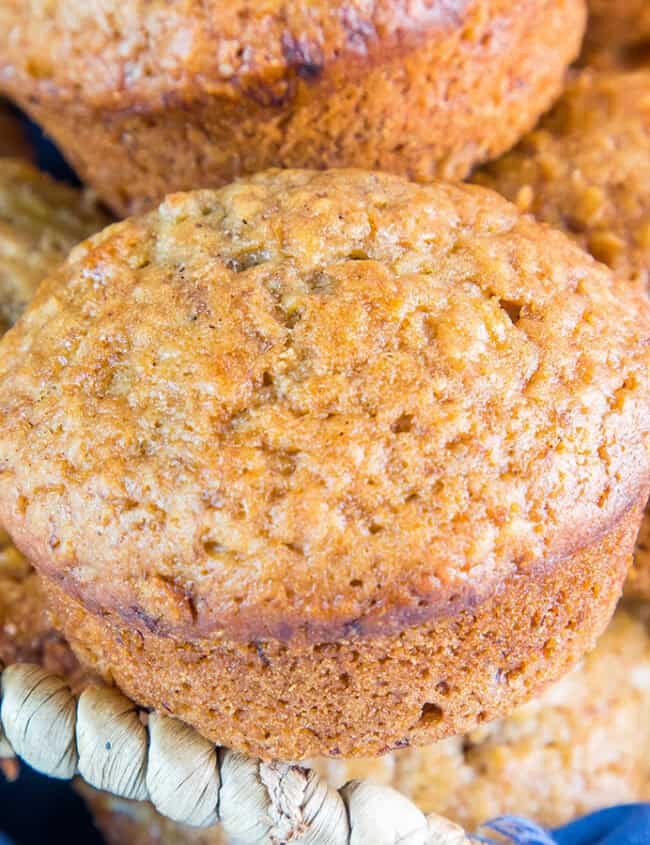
{"x":114,"y":54}
{"x":313,"y":404}
{"x":40,"y":221}
{"x":586,"y":169}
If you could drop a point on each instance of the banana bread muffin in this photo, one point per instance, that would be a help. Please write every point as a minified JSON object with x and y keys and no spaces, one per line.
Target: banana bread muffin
{"x":327,"y":463}
{"x":147,"y":98}
{"x":586,"y":170}
{"x":40,"y":221}
{"x":617,"y":23}
{"x":583,"y":745}
{"x":13,"y":141}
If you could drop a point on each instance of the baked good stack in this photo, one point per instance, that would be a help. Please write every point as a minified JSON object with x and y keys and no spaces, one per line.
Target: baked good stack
{"x":329,"y":462}
{"x":148,"y":98}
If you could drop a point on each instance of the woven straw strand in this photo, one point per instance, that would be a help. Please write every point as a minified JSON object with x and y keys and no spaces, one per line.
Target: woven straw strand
{"x":103,"y":738}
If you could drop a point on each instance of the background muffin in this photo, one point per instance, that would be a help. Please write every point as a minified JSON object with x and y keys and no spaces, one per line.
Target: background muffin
{"x":40,"y":221}
{"x":617,"y":23}
{"x":581,"y":746}
{"x":417,"y":383}
{"x":586,"y":171}
{"x":149,"y":98}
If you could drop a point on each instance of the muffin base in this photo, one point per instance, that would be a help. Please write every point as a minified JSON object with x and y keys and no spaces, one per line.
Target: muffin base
{"x":580,"y":747}
{"x":427,"y":111}
{"x":365,"y":696}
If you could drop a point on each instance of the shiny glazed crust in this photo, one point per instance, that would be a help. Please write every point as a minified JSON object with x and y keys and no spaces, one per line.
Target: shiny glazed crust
{"x":184,"y":103}
{"x":581,"y":746}
{"x":364,"y":696}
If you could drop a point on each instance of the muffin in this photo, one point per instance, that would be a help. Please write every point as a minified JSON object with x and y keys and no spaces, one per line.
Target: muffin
{"x":13,"y":141}
{"x":328,"y":463}
{"x":145,"y":99}
{"x":583,"y":745}
{"x":40,"y":221}
{"x":617,"y":23}
{"x":586,"y":170}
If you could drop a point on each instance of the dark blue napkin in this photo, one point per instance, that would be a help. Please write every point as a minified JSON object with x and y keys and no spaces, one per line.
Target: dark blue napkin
{"x":625,"y":825}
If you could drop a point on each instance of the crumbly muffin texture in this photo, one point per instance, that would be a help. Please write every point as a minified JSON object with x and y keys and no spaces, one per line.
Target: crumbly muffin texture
{"x":582,"y":745}
{"x":145,"y":98}
{"x":40,"y":221}
{"x":234,"y":391}
{"x":286,"y":423}
{"x":586,"y":169}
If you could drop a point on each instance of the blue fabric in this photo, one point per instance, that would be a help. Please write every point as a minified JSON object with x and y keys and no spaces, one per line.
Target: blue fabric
{"x":624,"y":825}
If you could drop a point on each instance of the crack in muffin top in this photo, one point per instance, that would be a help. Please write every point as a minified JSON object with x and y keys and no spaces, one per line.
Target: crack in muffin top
{"x":319,"y":405}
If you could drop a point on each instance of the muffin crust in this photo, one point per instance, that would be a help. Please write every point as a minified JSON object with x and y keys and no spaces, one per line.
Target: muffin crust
{"x":40,"y":221}
{"x":148,"y":98}
{"x":364,"y":695}
{"x":586,"y":170}
{"x":320,"y":415}
{"x":26,"y":633}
